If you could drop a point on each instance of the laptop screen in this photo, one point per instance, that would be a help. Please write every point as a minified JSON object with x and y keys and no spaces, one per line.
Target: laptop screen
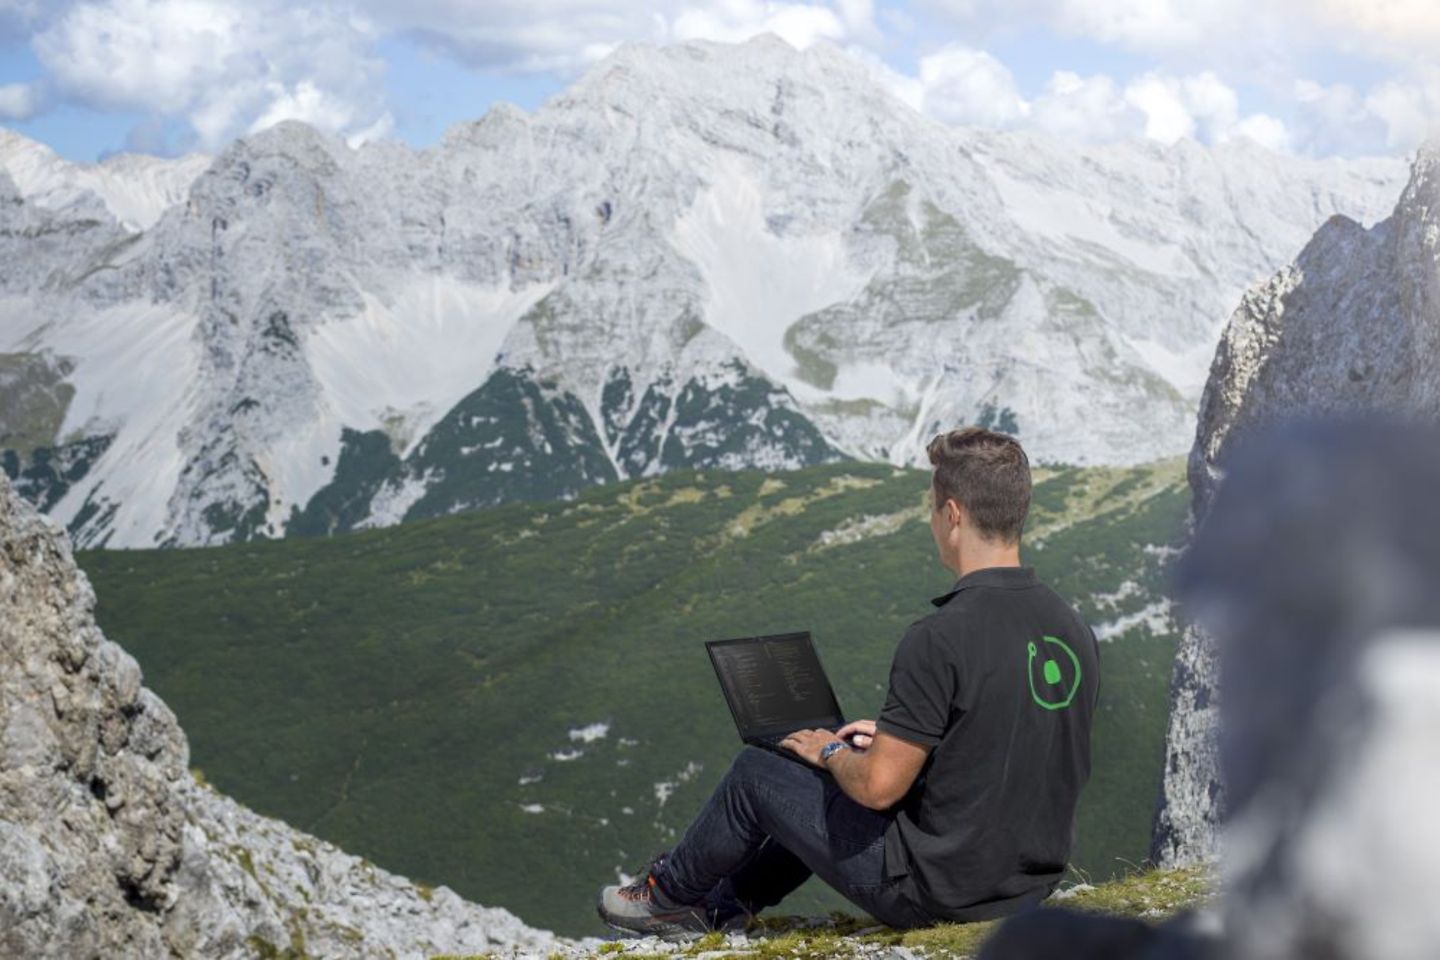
{"x":774,"y":684}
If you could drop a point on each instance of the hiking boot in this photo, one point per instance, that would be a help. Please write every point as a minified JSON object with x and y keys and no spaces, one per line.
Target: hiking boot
{"x":642,"y":907}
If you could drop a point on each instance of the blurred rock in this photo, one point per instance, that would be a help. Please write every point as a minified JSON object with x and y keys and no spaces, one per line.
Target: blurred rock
{"x":1316,"y":570}
{"x":1049,"y":933}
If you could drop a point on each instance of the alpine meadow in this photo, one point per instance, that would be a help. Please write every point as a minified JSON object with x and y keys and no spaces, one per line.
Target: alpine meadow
{"x":516,"y":702}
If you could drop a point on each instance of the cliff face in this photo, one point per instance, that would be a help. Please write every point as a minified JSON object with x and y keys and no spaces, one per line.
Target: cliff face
{"x":1352,"y":325}
{"x":110,"y":847}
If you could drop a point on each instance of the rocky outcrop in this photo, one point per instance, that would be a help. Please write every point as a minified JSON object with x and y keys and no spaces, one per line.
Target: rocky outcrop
{"x":1353,"y":325}
{"x":110,"y":847}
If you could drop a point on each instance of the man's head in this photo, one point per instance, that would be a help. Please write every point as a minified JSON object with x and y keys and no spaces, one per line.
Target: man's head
{"x":980,"y":492}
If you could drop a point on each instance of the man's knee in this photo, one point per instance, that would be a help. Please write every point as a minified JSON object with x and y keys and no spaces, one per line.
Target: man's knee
{"x":752,"y":758}
{"x":755,"y":763}
{"x":770,"y":773}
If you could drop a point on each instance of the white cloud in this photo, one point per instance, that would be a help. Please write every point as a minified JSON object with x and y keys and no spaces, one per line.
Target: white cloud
{"x":18,"y":101}
{"x":19,"y":17}
{"x":1389,"y":28}
{"x":909,"y":90}
{"x":305,"y":102}
{"x":381,"y":127}
{"x":1270,"y":132}
{"x":1393,"y":116}
{"x":559,"y":36}
{"x":225,"y":66}
{"x":566,"y":36}
{"x":968,"y":86}
{"x":1088,"y":109}
{"x":1167,"y":118}
{"x":1142,"y":24}
{"x":964,"y":86}
{"x":1408,"y":110}
{"x":1162,"y":27}
{"x":1200,"y":106}
{"x":799,"y":25}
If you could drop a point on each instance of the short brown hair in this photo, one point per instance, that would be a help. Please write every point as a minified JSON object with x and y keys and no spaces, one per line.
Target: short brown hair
{"x":988,"y":474}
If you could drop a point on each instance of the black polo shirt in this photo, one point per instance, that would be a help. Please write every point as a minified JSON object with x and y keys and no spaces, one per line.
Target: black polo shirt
{"x":1001,"y":683}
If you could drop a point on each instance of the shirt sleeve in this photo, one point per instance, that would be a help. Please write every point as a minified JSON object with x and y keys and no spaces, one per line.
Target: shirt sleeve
{"x":922,"y":689}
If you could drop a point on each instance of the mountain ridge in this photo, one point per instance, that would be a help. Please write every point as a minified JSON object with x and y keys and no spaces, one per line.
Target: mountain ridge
{"x":724,"y":255}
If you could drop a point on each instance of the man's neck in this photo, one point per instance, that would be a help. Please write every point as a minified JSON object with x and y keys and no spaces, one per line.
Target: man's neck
{"x":993,"y":557}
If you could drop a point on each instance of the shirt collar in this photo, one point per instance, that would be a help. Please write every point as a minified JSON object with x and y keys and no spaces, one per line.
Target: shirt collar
{"x":1003,"y":577}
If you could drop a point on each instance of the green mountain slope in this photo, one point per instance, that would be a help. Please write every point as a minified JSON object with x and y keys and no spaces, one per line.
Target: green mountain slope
{"x":433,"y":695}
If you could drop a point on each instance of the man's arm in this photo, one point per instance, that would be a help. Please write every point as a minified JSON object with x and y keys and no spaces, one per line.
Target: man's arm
{"x":877,"y":777}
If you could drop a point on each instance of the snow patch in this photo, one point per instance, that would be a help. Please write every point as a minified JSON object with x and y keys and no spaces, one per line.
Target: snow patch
{"x":1128,"y":588}
{"x":568,"y":754}
{"x":414,"y":354}
{"x":757,"y":283}
{"x":390,"y":502}
{"x":136,"y":371}
{"x":666,"y":788}
{"x":590,"y":732}
{"x":1155,"y":617}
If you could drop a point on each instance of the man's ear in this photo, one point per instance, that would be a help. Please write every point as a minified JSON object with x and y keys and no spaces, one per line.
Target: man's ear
{"x":954,"y":512}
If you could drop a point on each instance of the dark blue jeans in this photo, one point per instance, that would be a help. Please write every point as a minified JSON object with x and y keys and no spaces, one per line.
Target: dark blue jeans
{"x":770,"y":823}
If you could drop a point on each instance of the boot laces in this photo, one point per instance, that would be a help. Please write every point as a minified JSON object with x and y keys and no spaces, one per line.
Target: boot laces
{"x":643,"y":886}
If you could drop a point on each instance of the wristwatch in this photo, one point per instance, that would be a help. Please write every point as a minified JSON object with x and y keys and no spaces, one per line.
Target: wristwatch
{"x":829,"y":750}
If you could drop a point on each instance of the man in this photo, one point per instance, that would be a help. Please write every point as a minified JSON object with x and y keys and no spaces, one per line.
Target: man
{"x":958,"y":803}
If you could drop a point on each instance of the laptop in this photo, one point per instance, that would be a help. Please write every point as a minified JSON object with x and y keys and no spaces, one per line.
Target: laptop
{"x":775,"y":685}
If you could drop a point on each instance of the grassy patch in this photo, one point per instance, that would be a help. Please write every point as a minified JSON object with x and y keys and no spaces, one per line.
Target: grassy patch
{"x":1144,"y":894}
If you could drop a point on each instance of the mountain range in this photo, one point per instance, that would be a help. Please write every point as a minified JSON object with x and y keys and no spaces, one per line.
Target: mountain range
{"x":702,"y":255}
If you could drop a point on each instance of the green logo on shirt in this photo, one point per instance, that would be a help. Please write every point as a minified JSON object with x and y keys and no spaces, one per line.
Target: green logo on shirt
{"x":1050,"y":698}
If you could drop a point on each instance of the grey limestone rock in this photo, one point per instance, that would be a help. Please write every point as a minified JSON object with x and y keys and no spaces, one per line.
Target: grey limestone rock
{"x":109,"y":847}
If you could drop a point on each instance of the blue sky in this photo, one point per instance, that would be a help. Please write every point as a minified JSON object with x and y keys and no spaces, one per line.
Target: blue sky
{"x":1319,"y":77}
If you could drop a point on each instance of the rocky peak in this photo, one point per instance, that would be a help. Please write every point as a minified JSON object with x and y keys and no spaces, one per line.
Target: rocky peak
{"x":132,"y":189}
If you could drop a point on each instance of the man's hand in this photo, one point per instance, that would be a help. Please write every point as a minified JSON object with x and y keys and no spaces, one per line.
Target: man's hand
{"x":863,"y":732}
{"x":806,"y":744}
